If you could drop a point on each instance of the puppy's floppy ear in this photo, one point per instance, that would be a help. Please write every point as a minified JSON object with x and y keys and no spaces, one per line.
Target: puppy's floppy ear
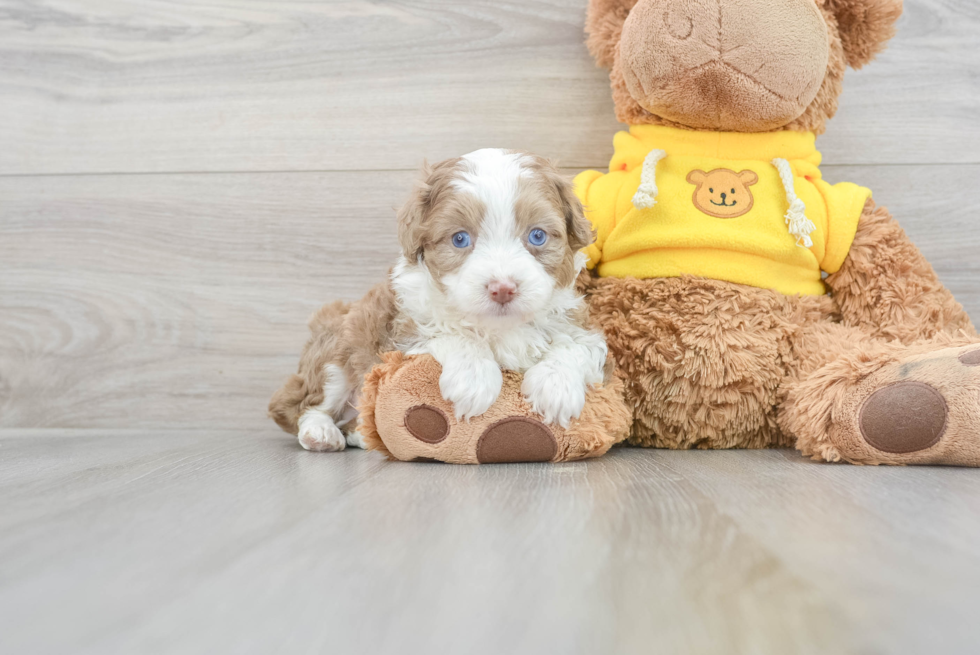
{"x":411,"y":216}
{"x":435,"y":181}
{"x":865,"y":26}
{"x":577,"y":227}
{"x":604,"y":26}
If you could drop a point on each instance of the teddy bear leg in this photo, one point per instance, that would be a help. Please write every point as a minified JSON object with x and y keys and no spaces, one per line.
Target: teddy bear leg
{"x":703,"y":360}
{"x":868,"y":402}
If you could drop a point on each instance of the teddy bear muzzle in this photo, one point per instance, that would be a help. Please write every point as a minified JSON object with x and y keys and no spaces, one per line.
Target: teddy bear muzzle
{"x":730,"y":65}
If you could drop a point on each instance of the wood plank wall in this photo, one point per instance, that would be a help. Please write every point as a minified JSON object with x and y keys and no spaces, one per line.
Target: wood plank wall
{"x":182,"y":183}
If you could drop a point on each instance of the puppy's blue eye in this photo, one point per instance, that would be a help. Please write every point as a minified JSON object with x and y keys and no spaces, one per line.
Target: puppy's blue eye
{"x":537,"y":237}
{"x":461,"y":239}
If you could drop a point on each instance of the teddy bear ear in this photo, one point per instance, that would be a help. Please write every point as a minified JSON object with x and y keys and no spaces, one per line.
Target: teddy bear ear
{"x":748,"y":178}
{"x":604,"y":26}
{"x":696,"y":177}
{"x":865,"y":26}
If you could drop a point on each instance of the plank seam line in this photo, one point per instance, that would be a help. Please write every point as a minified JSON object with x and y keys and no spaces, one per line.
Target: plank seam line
{"x":314,"y":171}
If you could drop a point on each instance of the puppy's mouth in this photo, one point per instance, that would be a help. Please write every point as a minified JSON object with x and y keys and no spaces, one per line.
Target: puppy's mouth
{"x":514,"y":311}
{"x":509,"y":310}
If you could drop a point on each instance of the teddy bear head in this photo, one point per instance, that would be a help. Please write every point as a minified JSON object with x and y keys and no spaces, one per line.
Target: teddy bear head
{"x":735,"y":65}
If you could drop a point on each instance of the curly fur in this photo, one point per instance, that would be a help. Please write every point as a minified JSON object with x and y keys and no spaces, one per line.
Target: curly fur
{"x":889,"y":290}
{"x":703,"y":360}
{"x":304,"y":389}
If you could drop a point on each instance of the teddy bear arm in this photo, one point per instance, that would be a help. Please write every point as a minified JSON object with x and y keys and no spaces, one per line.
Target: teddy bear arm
{"x":889,"y":289}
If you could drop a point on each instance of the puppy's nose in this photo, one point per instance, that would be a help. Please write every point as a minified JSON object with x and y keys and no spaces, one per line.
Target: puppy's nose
{"x":502,"y":292}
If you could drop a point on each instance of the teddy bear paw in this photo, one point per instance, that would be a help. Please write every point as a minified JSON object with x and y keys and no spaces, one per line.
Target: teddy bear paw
{"x":924,"y":409}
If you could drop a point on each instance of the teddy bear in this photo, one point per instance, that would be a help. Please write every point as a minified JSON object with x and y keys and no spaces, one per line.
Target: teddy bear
{"x":404,"y":416}
{"x":749,"y":303}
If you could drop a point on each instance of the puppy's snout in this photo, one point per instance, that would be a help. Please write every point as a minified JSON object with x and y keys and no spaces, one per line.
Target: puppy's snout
{"x":502,"y":292}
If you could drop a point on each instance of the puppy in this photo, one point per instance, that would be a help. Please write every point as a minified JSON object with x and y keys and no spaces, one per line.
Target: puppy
{"x":486,"y":281}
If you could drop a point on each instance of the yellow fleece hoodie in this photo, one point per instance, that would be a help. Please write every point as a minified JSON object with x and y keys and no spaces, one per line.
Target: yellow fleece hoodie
{"x":745,"y":208}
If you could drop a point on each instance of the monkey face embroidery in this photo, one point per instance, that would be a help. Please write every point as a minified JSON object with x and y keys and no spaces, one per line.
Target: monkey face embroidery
{"x":723,"y":193}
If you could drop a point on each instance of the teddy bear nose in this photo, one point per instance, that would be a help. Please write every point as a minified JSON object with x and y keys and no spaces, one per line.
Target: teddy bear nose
{"x":723,"y":196}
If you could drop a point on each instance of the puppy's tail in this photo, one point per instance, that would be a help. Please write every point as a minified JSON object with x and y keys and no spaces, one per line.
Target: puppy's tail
{"x":304,"y":389}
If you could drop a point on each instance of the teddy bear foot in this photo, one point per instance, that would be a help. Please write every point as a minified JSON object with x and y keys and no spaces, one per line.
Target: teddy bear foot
{"x":924,"y":409}
{"x":511,"y":439}
{"x":404,"y":416}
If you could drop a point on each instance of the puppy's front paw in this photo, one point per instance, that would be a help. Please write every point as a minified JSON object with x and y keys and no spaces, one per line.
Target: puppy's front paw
{"x":319,"y":433}
{"x":472,"y":386}
{"x":554,"y":392}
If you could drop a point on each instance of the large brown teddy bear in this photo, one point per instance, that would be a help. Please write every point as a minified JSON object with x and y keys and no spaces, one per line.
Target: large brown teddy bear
{"x":749,"y":303}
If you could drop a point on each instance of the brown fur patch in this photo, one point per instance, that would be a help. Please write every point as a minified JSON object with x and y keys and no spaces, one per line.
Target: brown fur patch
{"x":349,"y":336}
{"x":305,"y":388}
{"x":434,"y":186}
{"x":548,"y":200}
{"x":456,"y":212}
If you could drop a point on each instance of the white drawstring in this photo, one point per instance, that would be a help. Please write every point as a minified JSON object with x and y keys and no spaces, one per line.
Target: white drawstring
{"x":799,"y":225}
{"x":646,"y":195}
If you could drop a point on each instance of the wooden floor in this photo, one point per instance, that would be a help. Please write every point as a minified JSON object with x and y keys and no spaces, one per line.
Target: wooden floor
{"x":183,"y":183}
{"x":235,"y":542}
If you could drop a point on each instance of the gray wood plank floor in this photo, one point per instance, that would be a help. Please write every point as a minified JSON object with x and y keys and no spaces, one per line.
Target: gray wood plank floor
{"x":207,"y":542}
